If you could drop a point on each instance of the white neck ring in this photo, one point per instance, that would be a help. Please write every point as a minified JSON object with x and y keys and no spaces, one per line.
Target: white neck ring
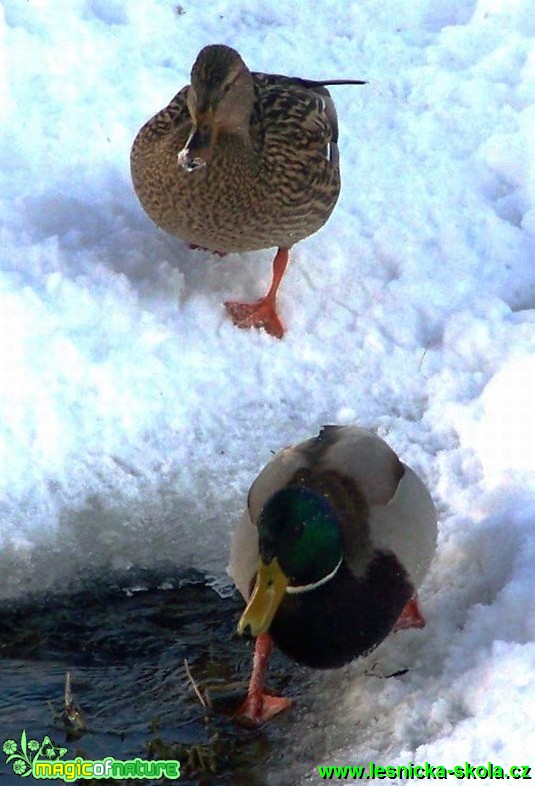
{"x":308,"y":587}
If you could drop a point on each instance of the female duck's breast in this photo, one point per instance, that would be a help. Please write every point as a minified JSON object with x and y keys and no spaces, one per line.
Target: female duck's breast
{"x":238,"y":201}
{"x":225,"y":209}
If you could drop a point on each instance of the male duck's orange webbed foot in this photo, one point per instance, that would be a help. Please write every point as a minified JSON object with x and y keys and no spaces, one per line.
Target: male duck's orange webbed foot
{"x":201,"y":248}
{"x":410,"y":617}
{"x":260,"y":705}
{"x":262,"y":313}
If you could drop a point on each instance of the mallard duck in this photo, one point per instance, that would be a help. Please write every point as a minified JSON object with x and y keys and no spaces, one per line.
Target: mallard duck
{"x":337,"y":537}
{"x":240,"y":161}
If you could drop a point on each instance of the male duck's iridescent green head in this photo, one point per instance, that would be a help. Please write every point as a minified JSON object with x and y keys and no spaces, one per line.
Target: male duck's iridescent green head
{"x":300,"y":549}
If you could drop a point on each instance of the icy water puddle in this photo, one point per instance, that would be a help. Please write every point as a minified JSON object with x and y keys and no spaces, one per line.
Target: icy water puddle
{"x":126,"y":646}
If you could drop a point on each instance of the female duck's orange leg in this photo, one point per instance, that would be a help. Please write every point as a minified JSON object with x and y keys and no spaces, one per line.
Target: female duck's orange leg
{"x":260,"y":706}
{"x":263,"y":312}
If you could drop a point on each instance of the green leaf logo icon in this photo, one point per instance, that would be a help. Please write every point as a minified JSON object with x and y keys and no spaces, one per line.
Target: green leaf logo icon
{"x":21,"y":756}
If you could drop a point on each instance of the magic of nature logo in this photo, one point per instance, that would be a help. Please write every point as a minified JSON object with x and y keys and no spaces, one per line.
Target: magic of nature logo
{"x":22,"y":755}
{"x":44,"y":760}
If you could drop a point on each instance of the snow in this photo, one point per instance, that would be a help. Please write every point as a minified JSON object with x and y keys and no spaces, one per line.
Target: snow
{"x":133,"y":416}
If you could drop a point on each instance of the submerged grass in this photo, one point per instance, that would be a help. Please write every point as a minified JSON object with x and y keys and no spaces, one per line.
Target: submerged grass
{"x":154,"y":673}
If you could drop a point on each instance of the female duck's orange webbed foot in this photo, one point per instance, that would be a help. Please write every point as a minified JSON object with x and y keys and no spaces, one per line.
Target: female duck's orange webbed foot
{"x":410,"y":617}
{"x":260,"y":706}
{"x":262,"y":313}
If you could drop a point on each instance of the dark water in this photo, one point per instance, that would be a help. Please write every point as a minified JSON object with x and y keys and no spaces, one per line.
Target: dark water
{"x":125,"y":648}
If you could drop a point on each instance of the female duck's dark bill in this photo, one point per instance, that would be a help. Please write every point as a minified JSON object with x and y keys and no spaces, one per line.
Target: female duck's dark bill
{"x":200,"y":144}
{"x":190,"y":164}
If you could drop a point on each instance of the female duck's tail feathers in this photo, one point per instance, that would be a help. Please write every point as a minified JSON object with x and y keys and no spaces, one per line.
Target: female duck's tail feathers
{"x":327,"y":82}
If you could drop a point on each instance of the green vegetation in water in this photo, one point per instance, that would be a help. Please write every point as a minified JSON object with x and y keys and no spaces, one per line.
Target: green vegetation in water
{"x":152,"y":673}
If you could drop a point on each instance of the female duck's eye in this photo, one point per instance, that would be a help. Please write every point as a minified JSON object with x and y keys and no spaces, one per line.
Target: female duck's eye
{"x":227,"y":87}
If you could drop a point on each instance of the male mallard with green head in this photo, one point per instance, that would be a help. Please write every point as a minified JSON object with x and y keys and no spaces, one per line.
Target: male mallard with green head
{"x":240,"y":161}
{"x":337,"y":537}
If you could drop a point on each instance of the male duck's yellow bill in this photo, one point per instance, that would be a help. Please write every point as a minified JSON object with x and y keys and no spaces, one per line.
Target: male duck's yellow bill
{"x":265,"y":599}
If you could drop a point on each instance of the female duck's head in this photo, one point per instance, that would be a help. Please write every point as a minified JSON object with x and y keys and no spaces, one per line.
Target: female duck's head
{"x":220,"y":99}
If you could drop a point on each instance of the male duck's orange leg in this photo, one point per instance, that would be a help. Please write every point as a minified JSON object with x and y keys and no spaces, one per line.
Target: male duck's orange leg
{"x":260,"y":706}
{"x":410,"y":617}
{"x":263,"y":313}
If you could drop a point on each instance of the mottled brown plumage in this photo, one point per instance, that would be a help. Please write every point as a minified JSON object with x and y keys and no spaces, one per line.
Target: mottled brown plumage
{"x":240,"y":161}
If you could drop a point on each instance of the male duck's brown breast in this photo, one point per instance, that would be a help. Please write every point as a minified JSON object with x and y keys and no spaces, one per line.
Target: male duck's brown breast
{"x":347,"y":617}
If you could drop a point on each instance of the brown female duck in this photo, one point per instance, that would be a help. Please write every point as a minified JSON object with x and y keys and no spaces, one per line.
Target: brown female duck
{"x":240,"y":161}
